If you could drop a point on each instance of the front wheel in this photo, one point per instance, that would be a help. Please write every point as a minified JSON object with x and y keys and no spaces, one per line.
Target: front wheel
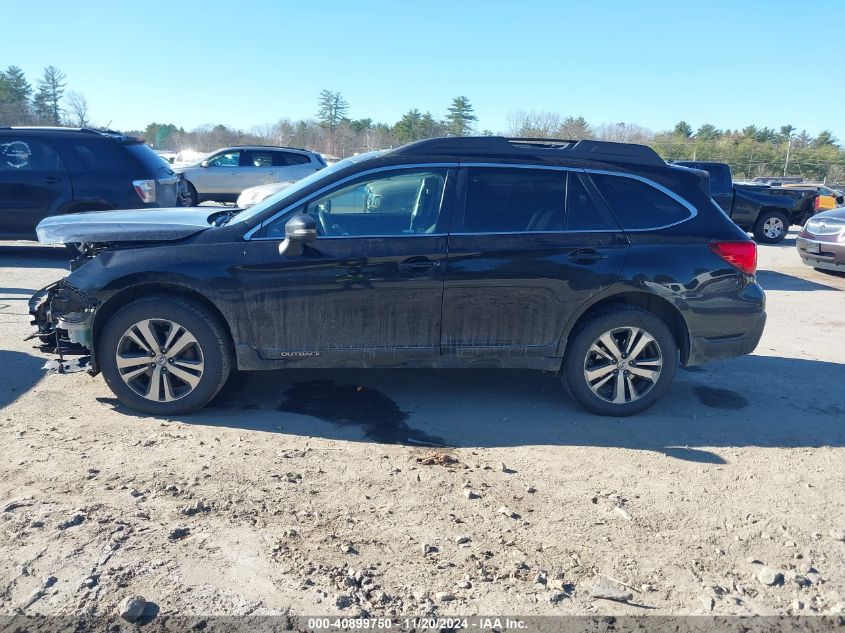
{"x":164,"y":355}
{"x":771,"y":227}
{"x":620,"y":362}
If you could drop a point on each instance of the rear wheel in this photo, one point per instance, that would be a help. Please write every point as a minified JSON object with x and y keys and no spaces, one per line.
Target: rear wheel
{"x":620,"y":362}
{"x":192,"y":192}
{"x":164,"y":355}
{"x":771,"y":227}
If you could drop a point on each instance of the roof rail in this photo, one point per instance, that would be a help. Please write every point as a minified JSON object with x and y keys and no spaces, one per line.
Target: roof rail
{"x":59,"y":128}
{"x":603,"y":151}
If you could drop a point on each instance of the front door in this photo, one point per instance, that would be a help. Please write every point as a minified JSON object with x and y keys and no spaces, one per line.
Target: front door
{"x":371,"y":283}
{"x":221,"y":179}
{"x":527,"y":248}
{"x":33,"y":182}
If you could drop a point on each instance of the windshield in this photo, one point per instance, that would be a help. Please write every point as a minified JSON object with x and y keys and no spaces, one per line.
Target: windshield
{"x":298,"y":186}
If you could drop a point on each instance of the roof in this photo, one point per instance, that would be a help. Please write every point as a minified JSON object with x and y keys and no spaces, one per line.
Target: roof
{"x":533,"y":149}
{"x":120,"y":136}
{"x":295,"y":149}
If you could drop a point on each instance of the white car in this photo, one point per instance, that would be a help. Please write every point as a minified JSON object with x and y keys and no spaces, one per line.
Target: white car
{"x":254,"y":195}
{"x":226,"y":172}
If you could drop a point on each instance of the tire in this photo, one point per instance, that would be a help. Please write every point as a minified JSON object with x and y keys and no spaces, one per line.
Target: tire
{"x":771,"y":227}
{"x":638,"y":392}
{"x":192,"y":192}
{"x":184,"y":382}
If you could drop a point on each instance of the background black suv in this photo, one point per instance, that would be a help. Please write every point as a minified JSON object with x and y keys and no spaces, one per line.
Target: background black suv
{"x":50,"y":171}
{"x":595,"y":260}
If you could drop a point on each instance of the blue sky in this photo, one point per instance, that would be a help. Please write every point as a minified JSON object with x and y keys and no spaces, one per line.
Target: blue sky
{"x":249,"y":62}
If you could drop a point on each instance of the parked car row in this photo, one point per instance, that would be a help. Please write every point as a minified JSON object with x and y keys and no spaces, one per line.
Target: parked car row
{"x":765,"y":210}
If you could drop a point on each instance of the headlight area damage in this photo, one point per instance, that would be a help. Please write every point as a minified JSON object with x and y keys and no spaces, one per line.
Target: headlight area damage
{"x":64,"y":316}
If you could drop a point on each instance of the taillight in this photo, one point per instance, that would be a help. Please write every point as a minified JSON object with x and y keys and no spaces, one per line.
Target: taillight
{"x":816,"y":204}
{"x":146,"y":190}
{"x":740,"y":255}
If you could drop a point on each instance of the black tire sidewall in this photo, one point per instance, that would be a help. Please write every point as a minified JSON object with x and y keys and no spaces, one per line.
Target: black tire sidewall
{"x":192,"y":192}
{"x":198,"y":321}
{"x":760,"y":236}
{"x":576,"y":352}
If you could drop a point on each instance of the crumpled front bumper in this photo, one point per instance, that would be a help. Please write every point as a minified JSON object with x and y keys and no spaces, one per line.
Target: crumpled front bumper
{"x":64,"y":317}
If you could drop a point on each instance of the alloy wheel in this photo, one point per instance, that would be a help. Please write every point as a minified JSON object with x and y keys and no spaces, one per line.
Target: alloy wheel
{"x":159,"y":360}
{"x":773,"y":228}
{"x":623,"y":365}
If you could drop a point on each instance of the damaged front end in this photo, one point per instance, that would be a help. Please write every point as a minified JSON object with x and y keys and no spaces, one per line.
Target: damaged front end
{"x":64,"y":316}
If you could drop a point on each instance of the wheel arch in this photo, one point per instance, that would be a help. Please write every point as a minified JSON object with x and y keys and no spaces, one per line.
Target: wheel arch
{"x":659,"y":306}
{"x":81,"y":206}
{"x":138,"y":291}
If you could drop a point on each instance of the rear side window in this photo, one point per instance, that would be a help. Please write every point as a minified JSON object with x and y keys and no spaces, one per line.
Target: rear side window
{"x":283,"y":159}
{"x":514,"y":200}
{"x":101,"y":155}
{"x":638,"y":205}
{"x":147,"y":157}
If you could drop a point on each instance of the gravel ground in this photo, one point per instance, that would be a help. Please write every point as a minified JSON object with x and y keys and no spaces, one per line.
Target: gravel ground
{"x":419,"y":492}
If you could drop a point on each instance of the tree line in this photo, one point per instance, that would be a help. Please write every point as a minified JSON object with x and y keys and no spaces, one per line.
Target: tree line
{"x":750,"y":151}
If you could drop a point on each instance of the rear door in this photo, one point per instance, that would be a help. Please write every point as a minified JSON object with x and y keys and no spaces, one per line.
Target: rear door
{"x":33,"y":184}
{"x":527,"y":247}
{"x":257,"y":168}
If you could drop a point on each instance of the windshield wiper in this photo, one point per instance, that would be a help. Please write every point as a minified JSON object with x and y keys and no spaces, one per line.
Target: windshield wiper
{"x":221,"y":218}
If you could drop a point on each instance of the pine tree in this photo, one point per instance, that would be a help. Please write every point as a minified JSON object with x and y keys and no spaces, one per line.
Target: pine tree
{"x":460,"y":118}
{"x":51,"y":88}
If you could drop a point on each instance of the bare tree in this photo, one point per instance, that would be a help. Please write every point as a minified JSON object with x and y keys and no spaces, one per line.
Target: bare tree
{"x":77,"y":109}
{"x":265,"y":132}
{"x":623,"y":133}
{"x":533,"y":124}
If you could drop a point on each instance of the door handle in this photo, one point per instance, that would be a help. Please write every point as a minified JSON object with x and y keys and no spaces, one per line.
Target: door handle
{"x":586,"y":256}
{"x":52,"y":180}
{"x":418,"y":265}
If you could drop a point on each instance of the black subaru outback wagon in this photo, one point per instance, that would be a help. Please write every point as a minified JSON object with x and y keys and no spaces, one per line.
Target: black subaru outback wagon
{"x":595,"y":260}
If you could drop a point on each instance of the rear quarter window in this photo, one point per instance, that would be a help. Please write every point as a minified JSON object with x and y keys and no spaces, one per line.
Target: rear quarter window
{"x":103,"y":155}
{"x":283,"y":159}
{"x":638,"y":205}
{"x":147,"y":157}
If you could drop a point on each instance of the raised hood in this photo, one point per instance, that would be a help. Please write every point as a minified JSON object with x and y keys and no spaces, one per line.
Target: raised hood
{"x":147,"y":225}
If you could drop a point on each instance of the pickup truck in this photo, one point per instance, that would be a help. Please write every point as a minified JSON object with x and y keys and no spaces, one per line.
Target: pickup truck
{"x":765,"y":210}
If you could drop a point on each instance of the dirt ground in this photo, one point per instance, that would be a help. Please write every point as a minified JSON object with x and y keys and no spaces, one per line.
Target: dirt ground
{"x":415,"y":492}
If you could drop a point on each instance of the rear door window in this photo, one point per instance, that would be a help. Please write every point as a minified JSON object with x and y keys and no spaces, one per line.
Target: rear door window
{"x":638,"y":205}
{"x":502,"y":200}
{"x":28,"y":155}
{"x":584,"y":210}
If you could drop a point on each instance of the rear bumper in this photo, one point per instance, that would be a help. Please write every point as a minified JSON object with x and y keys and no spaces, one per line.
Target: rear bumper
{"x":703,"y":349}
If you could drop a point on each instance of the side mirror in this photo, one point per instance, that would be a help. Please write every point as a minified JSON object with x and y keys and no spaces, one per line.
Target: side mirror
{"x":299,"y":230}
{"x":204,"y":163}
